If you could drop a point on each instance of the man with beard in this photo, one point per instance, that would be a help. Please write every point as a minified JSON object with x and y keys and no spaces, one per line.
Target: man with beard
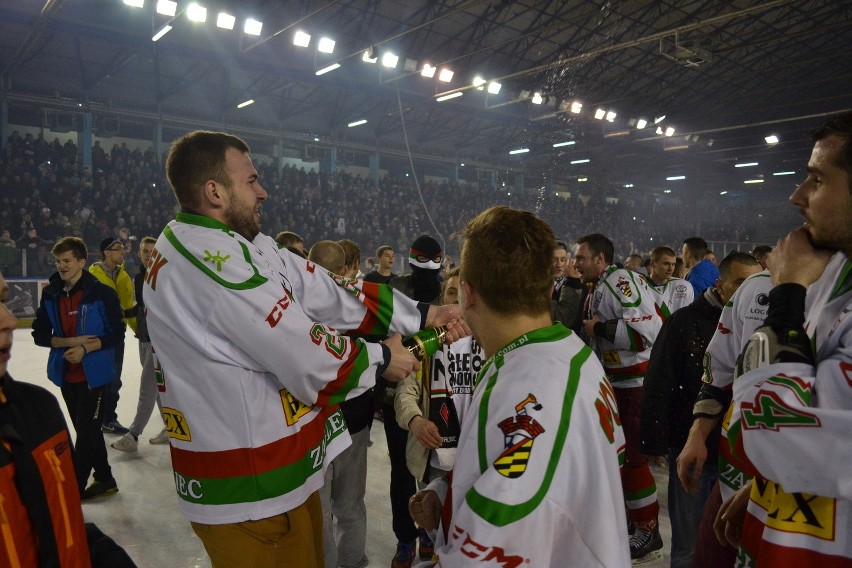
{"x":792,"y":397}
{"x":251,"y":380}
{"x":421,"y":284}
{"x":621,"y":321}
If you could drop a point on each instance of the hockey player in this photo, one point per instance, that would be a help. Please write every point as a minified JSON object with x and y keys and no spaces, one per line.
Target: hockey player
{"x":622,"y":323}
{"x":793,"y":402}
{"x":670,"y":293}
{"x":250,"y":380}
{"x":536,"y":479}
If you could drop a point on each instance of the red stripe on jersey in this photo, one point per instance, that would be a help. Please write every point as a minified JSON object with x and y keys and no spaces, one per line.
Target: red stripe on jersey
{"x":637,"y":369}
{"x":767,"y":553}
{"x":252,"y":461}
{"x":370,"y":298}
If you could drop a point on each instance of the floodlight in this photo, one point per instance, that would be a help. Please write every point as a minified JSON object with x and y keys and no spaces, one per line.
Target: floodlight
{"x":478,"y":82}
{"x":537,"y":99}
{"x":628,"y":185}
{"x":723,"y":192}
{"x":167,"y":8}
{"x":301,"y":39}
{"x":675,"y":178}
{"x":389,"y":59}
{"x":610,"y":116}
{"x":325,"y":70}
{"x":519,"y":151}
{"x":600,"y":113}
{"x":225,"y":21}
{"x":659,"y":119}
{"x":670,"y":130}
{"x":583,"y":161}
{"x":560,"y":144}
{"x":244,"y":104}
{"x":163,"y":31}
{"x":582,"y":179}
{"x":252,"y":27}
{"x":641,"y":123}
{"x":135,"y":3}
{"x":783,"y":173}
{"x":576,"y":107}
{"x":428,"y":70}
{"x":196,"y":12}
{"x":494,"y":87}
{"x":326,"y":45}
{"x":410,"y":65}
{"x":369,"y":56}
{"x":450,"y":96}
{"x":357,"y":123}
{"x":659,"y":130}
{"x":753,"y":181}
{"x":445,"y":75}
{"x":745,"y":165}
{"x":771,"y":139}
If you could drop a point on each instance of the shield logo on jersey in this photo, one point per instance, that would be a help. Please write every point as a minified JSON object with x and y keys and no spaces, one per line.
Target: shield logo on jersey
{"x":519,"y":432}
{"x":623,"y":285}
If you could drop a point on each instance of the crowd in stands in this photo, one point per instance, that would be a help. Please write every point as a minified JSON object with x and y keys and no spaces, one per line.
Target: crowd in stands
{"x":46,"y":195}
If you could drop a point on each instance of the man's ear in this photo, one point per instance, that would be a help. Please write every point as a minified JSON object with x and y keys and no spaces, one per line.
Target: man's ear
{"x":471,"y":297}
{"x":214,"y":194}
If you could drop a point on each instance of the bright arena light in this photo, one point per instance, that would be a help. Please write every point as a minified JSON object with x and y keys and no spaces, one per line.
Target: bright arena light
{"x":167,"y":8}
{"x":196,"y":12}
{"x":252,"y":27}
{"x":225,"y":21}
{"x":428,"y":70}
{"x":390,"y":60}
{"x":301,"y":39}
{"x":537,"y":99}
{"x":445,"y":75}
{"x":326,"y":45}
{"x":494,"y":87}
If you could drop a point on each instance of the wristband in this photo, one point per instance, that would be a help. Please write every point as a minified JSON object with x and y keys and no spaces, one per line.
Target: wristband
{"x":85,"y":351}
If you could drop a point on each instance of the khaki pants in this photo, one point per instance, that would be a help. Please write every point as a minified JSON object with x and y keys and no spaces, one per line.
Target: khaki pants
{"x":289,"y":540}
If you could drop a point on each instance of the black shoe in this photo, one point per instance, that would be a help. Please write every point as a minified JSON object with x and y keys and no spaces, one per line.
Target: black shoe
{"x":645,"y":541}
{"x":114,"y":427}
{"x":99,"y":488}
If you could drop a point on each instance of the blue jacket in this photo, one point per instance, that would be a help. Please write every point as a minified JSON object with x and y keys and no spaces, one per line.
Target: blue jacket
{"x":702,"y":276}
{"x":100,"y":315}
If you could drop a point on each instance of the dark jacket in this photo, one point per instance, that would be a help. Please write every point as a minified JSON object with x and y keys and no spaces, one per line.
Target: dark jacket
{"x":100,"y":315}
{"x":674,"y":374}
{"x":41,"y":499}
{"x":141,"y":319}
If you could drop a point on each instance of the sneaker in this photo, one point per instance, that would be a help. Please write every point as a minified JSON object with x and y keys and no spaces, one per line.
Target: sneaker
{"x":100,"y":488}
{"x":126,"y":443}
{"x":426,"y":548}
{"x":161,"y":438}
{"x":645,"y":541}
{"x":114,"y":428}
{"x":404,"y":555}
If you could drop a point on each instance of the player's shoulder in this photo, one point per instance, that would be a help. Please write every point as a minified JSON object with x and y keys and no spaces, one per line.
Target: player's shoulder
{"x":215,"y":251}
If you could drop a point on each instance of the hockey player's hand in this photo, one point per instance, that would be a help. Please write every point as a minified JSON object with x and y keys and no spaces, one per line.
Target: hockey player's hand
{"x":74,"y":354}
{"x":728,"y":525}
{"x":690,"y":462}
{"x":795,"y":260}
{"x":402,"y":362}
{"x":426,"y":432}
{"x":589,"y":325}
{"x":440,"y":315}
{"x":425,"y":509}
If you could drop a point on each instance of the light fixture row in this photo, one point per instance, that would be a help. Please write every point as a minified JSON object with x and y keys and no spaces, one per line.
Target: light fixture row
{"x":196,"y":12}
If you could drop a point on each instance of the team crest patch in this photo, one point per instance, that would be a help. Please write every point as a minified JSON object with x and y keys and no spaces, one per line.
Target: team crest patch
{"x":623,"y":285}
{"x":519,"y":431}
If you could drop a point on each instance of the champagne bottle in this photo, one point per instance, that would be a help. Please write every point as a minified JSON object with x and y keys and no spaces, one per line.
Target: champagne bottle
{"x":425,"y":342}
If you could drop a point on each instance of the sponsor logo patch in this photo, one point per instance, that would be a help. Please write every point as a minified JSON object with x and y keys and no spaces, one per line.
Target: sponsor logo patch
{"x":293,"y":408}
{"x":623,"y":285}
{"x":176,"y":424}
{"x":795,"y":512}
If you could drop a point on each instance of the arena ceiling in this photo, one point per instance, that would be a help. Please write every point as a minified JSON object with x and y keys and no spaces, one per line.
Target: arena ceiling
{"x":725,"y":74}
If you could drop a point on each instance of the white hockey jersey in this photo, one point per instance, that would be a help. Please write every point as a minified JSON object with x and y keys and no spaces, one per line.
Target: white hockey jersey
{"x":743,"y":313}
{"x":536,"y":480}
{"x":622,"y":295}
{"x":248,"y":380}
{"x":791,"y":425}
{"x":671,"y":295}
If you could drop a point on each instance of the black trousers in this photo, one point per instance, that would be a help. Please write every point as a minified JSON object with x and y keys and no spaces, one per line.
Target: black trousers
{"x":402,"y":485}
{"x":86,"y":407}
